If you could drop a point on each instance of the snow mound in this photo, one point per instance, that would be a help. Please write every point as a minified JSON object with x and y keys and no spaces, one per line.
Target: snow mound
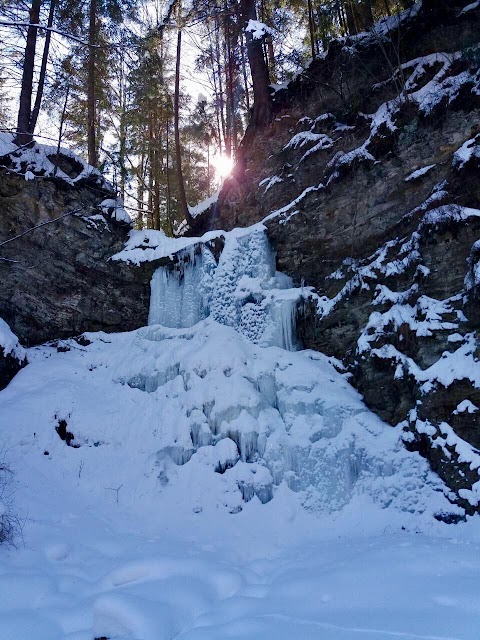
{"x":113,"y":207}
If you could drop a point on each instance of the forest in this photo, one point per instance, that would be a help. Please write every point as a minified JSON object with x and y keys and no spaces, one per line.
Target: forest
{"x":160,"y":94}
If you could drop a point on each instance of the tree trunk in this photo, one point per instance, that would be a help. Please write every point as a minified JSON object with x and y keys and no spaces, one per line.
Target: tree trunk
{"x":311,"y":27}
{"x":60,"y":128}
{"x":167,"y":171}
{"x":43,"y":71}
{"x":228,"y":89}
{"x":220,"y":83}
{"x":351,"y":26}
{"x":244,"y":70}
{"x":91,"y":98}
{"x":23,"y":122}
{"x":182,"y":197}
{"x":262,"y":99}
{"x":141,"y":189}
{"x":367,"y":14}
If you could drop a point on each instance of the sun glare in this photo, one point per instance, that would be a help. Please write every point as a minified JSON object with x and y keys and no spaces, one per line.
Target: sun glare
{"x":223,"y":165}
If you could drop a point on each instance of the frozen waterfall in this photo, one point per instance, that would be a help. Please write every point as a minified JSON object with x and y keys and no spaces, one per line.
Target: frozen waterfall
{"x":251,"y":421}
{"x":243,"y":291}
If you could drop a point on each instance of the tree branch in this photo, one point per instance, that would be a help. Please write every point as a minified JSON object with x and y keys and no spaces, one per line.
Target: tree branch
{"x":4,"y":23}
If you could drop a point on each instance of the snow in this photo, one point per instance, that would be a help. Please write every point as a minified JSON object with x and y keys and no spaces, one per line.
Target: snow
{"x":459,"y":365}
{"x":9,"y":342}
{"x":470,"y":7}
{"x":38,"y":161}
{"x":306,"y":137}
{"x":191,"y":553}
{"x":218,"y":488}
{"x":114,"y":208}
{"x":406,"y":255}
{"x":419,"y":173}
{"x":286,"y":413}
{"x":258,"y":29}
{"x":203,"y":206}
{"x":320,"y":141}
{"x":442,"y":87}
{"x":423,"y":319}
{"x":268,"y":183}
{"x":342,"y":159}
{"x":465,"y":406}
{"x":287,"y":209}
{"x":148,"y":245}
{"x":469,"y":149}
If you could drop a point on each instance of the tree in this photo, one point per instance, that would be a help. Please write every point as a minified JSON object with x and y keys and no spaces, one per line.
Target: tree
{"x":262,"y":98}
{"x":101,"y":19}
{"x":25,"y":106}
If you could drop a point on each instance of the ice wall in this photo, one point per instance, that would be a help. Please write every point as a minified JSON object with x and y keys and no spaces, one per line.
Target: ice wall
{"x":243,"y":291}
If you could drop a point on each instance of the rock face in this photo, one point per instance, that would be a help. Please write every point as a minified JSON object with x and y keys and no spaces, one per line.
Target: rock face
{"x":370,"y":178}
{"x":57,"y":281}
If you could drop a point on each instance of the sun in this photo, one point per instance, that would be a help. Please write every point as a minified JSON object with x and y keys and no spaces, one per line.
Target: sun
{"x":223,"y":165}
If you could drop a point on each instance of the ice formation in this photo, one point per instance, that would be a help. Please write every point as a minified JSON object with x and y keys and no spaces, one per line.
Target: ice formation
{"x":243,"y":290}
{"x":256,"y":418}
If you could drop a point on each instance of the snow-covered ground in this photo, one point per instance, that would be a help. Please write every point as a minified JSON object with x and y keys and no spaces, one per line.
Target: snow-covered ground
{"x":121,"y":540}
{"x":199,"y":482}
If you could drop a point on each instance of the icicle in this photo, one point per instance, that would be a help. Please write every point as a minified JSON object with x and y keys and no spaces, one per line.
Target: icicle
{"x":243,"y":291}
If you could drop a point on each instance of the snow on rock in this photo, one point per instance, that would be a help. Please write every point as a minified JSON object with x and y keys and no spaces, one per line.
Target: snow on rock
{"x":288,"y":210}
{"x":307,"y":137}
{"x":406,"y":254}
{"x":342,"y":160}
{"x":462,"y":364}
{"x":114,"y":209}
{"x":470,"y":7}
{"x":469,"y":149}
{"x":203,"y":206}
{"x":415,"y":175}
{"x":466,"y":406}
{"x":10,"y":344}
{"x":320,"y":141}
{"x":442,"y":87}
{"x":148,"y":245}
{"x":268,"y":183}
{"x":41,"y":160}
{"x":423,"y":319}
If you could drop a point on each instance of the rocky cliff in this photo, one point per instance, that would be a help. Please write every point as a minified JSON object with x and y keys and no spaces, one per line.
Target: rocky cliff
{"x":57,"y":277}
{"x":368,"y":182}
